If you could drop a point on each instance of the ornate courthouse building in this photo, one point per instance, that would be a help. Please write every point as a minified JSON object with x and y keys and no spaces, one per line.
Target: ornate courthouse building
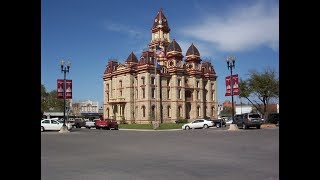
{"x":161,"y":86}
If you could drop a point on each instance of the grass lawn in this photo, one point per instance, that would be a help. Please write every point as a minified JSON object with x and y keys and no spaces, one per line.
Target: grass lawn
{"x":149,"y":126}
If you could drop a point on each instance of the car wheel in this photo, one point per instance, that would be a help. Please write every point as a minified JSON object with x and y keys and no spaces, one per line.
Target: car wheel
{"x":187,"y":127}
{"x":218,"y":125}
{"x":42,"y":128}
{"x":258,"y":127}
{"x":205,"y":126}
{"x":244,"y":126}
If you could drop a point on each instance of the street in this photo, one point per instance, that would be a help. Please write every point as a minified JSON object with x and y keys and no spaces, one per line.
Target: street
{"x":143,"y":155}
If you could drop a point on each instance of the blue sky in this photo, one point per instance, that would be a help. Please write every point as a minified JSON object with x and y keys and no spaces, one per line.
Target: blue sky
{"x":88,"y":33}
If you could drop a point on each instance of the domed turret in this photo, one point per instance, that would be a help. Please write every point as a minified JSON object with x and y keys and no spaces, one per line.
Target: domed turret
{"x":192,"y":51}
{"x":174,"y":46}
{"x":132,"y":58}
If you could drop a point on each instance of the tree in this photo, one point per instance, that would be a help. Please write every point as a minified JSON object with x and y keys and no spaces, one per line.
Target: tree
{"x":49,"y":101}
{"x":44,"y":99}
{"x":54,"y":103}
{"x":227,"y":111}
{"x":245,"y":91}
{"x":264,"y":86}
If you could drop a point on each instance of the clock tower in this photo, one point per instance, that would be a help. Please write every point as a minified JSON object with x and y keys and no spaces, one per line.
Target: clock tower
{"x":160,"y":32}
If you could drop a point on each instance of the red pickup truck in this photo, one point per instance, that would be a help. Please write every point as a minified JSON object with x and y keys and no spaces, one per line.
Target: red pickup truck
{"x":107,"y":124}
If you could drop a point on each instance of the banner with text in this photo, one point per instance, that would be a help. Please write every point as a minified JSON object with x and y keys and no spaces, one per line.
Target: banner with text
{"x":235,"y":83}
{"x":60,"y":90}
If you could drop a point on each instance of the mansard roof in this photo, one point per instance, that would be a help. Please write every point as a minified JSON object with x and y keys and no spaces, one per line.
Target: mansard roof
{"x":160,"y":21}
{"x":174,"y":46}
{"x":192,"y":50}
{"x":208,"y":68}
{"x":132,"y":58}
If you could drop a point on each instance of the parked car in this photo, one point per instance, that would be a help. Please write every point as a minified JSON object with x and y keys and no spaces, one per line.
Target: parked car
{"x":219,"y":122}
{"x":90,"y":124}
{"x":107,"y":124}
{"x":247,"y":120}
{"x":198,"y":123}
{"x":229,"y":121}
{"x":52,"y":125}
{"x":79,"y":122}
{"x":71,"y":121}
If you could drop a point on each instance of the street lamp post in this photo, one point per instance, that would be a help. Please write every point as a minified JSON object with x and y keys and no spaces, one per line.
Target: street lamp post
{"x":231,"y":64}
{"x":64,"y":69}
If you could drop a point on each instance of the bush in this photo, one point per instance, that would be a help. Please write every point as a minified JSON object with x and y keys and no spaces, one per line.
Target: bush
{"x":181,"y":121}
{"x":273,"y":118}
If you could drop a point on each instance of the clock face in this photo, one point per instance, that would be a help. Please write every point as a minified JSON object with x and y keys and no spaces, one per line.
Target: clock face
{"x":164,"y":35}
{"x":156,"y":35}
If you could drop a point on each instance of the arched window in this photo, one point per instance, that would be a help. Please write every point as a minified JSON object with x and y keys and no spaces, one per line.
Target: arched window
{"x":143,"y":80}
{"x":213,"y":110}
{"x":143,"y":93}
{"x":179,"y":82}
{"x":180,"y":111}
{"x":153,"y":92}
{"x":153,"y":80}
{"x":198,"y":108}
{"x":120,"y":83}
{"x":143,"y":111}
{"x":153,"y":111}
{"x":169,"y":111}
{"x":107,"y":112}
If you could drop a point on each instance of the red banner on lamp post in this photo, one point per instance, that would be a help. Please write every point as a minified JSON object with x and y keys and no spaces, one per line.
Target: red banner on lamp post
{"x":60,"y":89}
{"x":235,"y":83}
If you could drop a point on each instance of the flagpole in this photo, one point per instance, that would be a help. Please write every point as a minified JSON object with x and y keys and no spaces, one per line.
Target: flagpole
{"x":155,"y":86}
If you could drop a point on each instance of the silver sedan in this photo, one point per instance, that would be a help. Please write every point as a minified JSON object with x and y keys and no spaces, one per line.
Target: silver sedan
{"x":198,"y":123}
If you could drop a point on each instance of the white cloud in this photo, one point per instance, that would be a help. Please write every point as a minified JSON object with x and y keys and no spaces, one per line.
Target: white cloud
{"x":121,"y":28}
{"x":203,"y":48}
{"x":242,"y":28}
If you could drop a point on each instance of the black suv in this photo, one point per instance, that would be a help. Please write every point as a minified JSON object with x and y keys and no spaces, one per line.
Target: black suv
{"x":247,"y":120}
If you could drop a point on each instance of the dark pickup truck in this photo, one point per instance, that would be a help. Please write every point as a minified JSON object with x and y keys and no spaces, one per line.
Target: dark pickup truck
{"x":218,"y":122}
{"x":106,"y":124}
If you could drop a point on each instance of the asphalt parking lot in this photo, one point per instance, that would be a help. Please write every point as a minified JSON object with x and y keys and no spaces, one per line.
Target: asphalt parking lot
{"x":213,"y":153}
